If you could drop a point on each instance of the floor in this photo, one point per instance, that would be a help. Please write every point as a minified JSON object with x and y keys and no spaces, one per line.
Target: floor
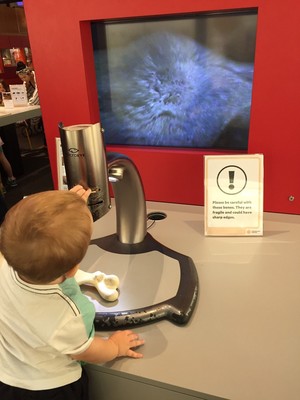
{"x":37,"y":173}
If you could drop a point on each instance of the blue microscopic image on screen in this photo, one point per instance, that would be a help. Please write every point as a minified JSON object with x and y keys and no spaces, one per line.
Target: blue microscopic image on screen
{"x":184,"y":82}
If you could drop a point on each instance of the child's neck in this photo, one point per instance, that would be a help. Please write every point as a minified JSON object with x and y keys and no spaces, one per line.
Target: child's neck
{"x":60,"y":279}
{"x":55,"y":282}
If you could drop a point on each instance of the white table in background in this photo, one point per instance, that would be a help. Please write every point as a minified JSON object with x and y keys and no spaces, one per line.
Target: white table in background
{"x":12,"y":115}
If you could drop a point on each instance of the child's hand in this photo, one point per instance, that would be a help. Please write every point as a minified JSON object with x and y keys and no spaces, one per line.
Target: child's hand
{"x":125,"y":341}
{"x":81,"y":191}
{"x":118,"y":344}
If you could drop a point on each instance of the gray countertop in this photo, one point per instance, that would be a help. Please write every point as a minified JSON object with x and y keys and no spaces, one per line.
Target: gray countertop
{"x":243,"y":339}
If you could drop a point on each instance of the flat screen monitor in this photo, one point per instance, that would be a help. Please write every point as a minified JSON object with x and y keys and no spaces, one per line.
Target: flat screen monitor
{"x":181,"y":81}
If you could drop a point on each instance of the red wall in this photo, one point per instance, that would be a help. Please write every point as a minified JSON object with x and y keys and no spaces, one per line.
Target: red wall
{"x":60,"y":39}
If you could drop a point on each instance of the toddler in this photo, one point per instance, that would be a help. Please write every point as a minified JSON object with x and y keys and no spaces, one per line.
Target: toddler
{"x":46,"y":323}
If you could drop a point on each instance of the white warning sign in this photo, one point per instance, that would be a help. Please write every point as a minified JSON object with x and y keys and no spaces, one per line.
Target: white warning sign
{"x":234,"y":195}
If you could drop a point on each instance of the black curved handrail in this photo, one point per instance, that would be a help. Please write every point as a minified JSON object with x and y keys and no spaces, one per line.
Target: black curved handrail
{"x":177,"y":309}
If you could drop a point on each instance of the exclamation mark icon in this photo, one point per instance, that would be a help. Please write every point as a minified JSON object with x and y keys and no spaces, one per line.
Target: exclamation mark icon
{"x":231,"y":180}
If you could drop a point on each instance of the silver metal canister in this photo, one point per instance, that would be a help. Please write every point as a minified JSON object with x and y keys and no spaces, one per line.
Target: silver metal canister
{"x":85,"y":164}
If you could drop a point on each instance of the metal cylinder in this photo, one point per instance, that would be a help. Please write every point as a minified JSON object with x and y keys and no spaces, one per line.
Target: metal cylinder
{"x":85,"y":164}
{"x":129,"y":198}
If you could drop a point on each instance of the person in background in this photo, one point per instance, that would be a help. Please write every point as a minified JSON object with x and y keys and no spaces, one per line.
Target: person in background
{"x":11,"y":180}
{"x":27,"y":75}
{"x":4,"y":87}
{"x":46,"y":323}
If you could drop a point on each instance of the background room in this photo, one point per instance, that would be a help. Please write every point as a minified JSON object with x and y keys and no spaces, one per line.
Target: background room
{"x":24,"y":147}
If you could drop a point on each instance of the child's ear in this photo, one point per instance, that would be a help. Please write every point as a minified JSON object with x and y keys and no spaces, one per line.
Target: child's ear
{"x":71,"y":272}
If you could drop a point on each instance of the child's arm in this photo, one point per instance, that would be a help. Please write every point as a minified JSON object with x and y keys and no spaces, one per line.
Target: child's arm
{"x":118,"y":344}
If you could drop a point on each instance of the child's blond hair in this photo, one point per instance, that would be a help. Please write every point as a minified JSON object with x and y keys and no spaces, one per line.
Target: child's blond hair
{"x":46,"y":234}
